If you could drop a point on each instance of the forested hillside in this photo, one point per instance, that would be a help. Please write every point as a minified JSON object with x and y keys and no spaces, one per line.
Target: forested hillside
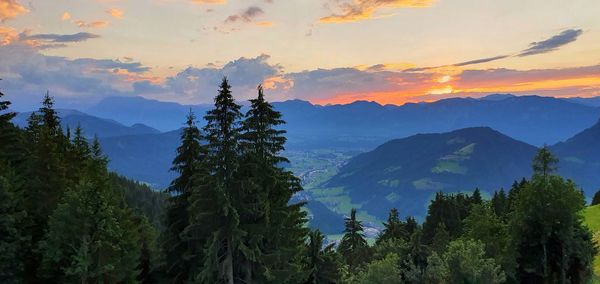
{"x":228,"y":215}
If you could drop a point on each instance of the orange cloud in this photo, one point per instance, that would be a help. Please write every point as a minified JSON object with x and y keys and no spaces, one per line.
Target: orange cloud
{"x":65,"y":16}
{"x":115,"y":13}
{"x":94,"y":24}
{"x":209,"y":1}
{"x":10,"y":9}
{"x":8,"y":35}
{"x":358,"y":10}
{"x":346,"y":85}
{"x":265,"y":24}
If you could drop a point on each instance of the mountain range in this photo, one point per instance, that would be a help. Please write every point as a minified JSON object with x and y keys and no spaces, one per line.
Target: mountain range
{"x":91,"y":125}
{"x":365,"y":125}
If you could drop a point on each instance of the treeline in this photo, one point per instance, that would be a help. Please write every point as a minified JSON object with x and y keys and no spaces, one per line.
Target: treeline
{"x":228,"y":218}
{"x":63,"y":217}
{"x":531,"y":234}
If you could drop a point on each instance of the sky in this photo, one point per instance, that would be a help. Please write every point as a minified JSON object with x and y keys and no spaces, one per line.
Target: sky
{"x":322,"y":51}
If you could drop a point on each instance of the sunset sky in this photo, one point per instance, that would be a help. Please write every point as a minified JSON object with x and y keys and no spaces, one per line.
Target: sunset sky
{"x":323,"y":51}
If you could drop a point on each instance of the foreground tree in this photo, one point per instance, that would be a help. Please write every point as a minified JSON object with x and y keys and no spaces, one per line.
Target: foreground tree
{"x":214,"y":202}
{"x":178,"y":248}
{"x":353,"y":246}
{"x":466,"y":263}
{"x":274,"y":227}
{"x":321,"y":263}
{"x":393,"y":228}
{"x":12,"y":215}
{"x":552,"y":244}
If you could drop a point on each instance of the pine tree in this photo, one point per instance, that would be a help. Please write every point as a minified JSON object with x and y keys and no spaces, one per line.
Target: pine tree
{"x":214,"y":201}
{"x":89,"y":238}
{"x":499,"y":203}
{"x":544,"y":163}
{"x":177,"y":247}
{"x":7,"y":135}
{"x":394,"y":228}
{"x":353,"y":246}
{"x":275,"y":229}
{"x":476,"y":197}
{"x":46,"y":178}
{"x":596,"y":199}
{"x":12,"y":215}
{"x":322,"y":265}
{"x":552,"y":243}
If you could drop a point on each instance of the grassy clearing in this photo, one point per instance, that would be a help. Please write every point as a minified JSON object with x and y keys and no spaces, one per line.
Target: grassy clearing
{"x":591,"y":217}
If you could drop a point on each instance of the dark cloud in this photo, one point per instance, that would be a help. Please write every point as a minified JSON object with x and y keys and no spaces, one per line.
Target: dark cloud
{"x":246,"y":16}
{"x":482,"y":60}
{"x":58,"y":38}
{"x":552,"y":43}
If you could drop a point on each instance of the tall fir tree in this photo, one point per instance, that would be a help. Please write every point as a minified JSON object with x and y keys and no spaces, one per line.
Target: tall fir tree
{"x":274,"y":227}
{"x":47,"y":178}
{"x":178,"y":249}
{"x":214,"y":201}
{"x":353,"y":247}
{"x":544,"y":162}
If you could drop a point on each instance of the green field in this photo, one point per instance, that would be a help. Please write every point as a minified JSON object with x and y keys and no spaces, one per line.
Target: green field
{"x":592,"y":220}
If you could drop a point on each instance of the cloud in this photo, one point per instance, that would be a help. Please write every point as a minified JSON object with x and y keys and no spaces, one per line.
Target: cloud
{"x":115,"y":13}
{"x":358,"y":10}
{"x":482,"y":60}
{"x":10,"y":9}
{"x":545,"y":46}
{"x":27,"y":74}
{"x":246,"y":16}
{"x":65,"y":16}
{"x":198,"y":85}
{"x":93,"y":24}
{"x":552,"y":43}
{"x":78,"y":37}
{"x":209,"y":1}
{"x":41,"y":41}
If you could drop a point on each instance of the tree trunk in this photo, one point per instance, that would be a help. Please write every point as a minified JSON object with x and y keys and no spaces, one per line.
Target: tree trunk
{"x":229,"y":261}
{"x":248,"y":272}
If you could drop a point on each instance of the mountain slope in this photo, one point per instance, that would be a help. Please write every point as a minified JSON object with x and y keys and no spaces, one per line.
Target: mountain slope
{"x":404,"y":173}
{"x":146,"y":158}
{"x":91,"y":125}
{"x":580,"y":158}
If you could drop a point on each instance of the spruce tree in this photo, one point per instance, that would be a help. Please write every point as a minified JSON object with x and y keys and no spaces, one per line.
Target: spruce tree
{"x":353,"y":246}
{"x":321,"y":263}
{"x":47,"y":178}
{"x":214,"y":200}
{"x":394,"y":228}
{"x":275,"y":229}
{"x":90,"y":239}
{"x":553,"y":245}
{"x":6,"y":127}
{"x":596,"y":199}
{"x":12,"y":215}
{"x":178,"y":249}
{"x":544,"y":163}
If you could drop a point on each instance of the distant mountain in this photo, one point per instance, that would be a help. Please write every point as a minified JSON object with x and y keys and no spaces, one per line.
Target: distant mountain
{"x":535,"y":120}
{"x":164,"y":116}
{"x":404,"y":173}
{"x":146,"y":158}
{"x":580,"y":158}
{"x":364,"y":125}
{"x":91,"y":125}
{"x":593,"y":101}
